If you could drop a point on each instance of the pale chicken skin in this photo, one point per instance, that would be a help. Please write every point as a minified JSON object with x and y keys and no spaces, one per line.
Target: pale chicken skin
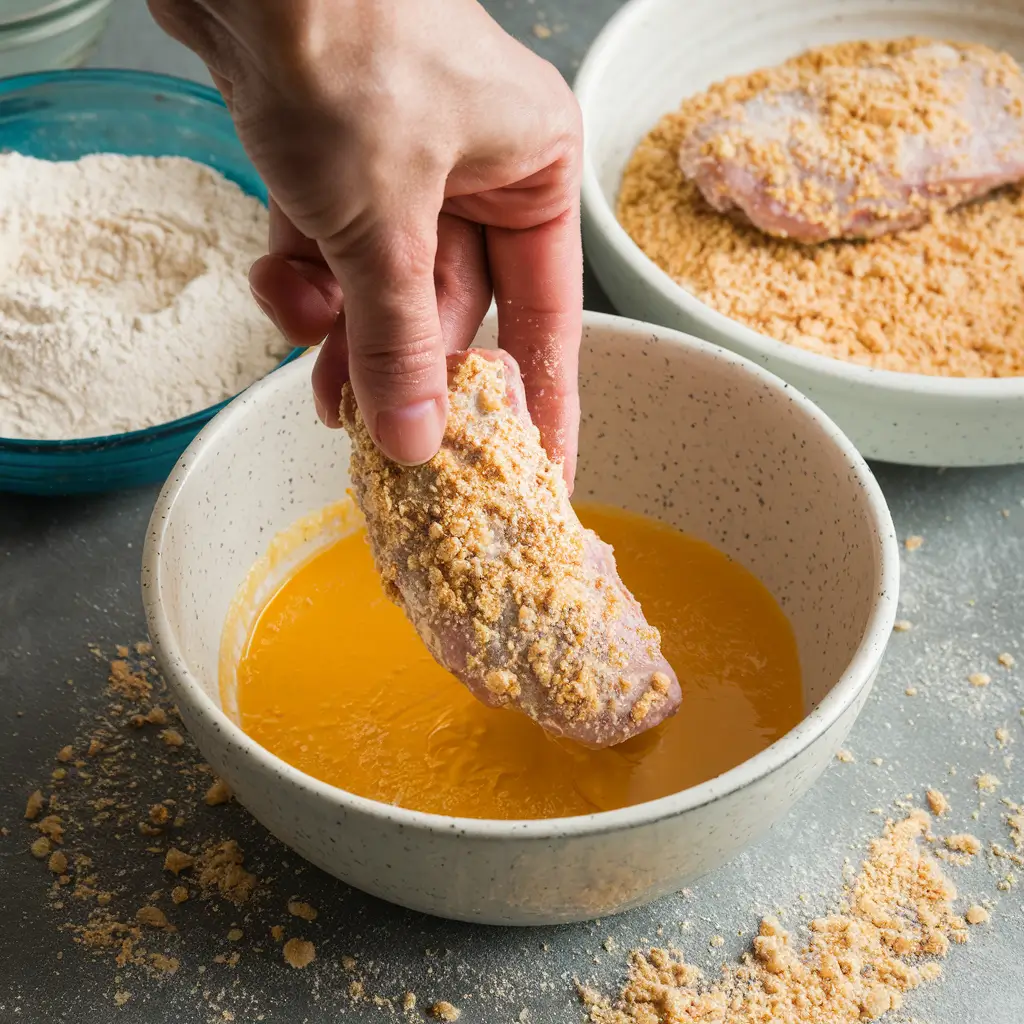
{"x":816,"y":151}
{"x":482,"y":550}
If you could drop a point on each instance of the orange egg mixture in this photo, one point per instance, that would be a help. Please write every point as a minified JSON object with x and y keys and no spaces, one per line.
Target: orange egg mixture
{"x":336,"y":682}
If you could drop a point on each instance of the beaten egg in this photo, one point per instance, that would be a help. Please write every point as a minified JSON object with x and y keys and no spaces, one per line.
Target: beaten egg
{"x":334,"y":680}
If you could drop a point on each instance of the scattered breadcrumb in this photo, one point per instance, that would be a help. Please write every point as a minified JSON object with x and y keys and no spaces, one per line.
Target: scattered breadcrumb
{"x":1002,"y":735}
{"x":179,"y":894}
{"x":52,"y":827}
{"x":58,"y":862}
{"x":176,"y":861}
{"x":218,"y":793}
{"x":443,"y":1010}
{"x":913,"y":542}
{"x":299,"y":909}
{"x":409,"y":1002}
{"x":976,"y":914}
{"x":979,"y":679}
{"x":128,"y":682}
{"x":902,"y":625}
{"x":219,"y":868}
{"x":41,"y":848}
{"x":299,"y":953}
{"x":845,"y":756}
{"x":964,"y":842}
{"x":858,"y":963}
{"x":65,"y":754}
{"x":911,"y":691}
{"x":937,"y":802}
{"x":34,"y":805}
{"x":159,"y":814}
{"x":1016,"y":822}
{"x":155,"y":716}
{"x":153,"y":917}
{"x":541,"y":31}
{"x":987,"y":783}
{"x":164,"y":964}
{"x":716,"y":941}
{"x":1007,"y":660}
{"x":235,"y":934}
{"x":172,"y":738}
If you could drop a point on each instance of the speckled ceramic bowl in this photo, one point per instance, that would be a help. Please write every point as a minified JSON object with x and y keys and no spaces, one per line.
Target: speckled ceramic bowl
{"x":672,"y":427}
{"x":652,"y":55}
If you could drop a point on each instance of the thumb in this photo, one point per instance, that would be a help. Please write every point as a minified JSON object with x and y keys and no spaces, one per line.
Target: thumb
{"x":396,"y":352}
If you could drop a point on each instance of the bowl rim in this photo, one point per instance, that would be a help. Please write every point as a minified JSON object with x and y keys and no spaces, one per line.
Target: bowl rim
{"x":49,"y":13}
{"x":11,"y":85}
{"x":857,"y":675}
{"x":601,"y":56}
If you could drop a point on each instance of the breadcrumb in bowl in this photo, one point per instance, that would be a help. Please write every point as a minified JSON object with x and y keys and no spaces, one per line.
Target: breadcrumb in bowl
{"x":653,"y":55}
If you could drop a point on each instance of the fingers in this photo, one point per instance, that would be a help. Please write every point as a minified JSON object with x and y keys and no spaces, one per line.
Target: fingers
{"x":293,"y":285}
{"x":396,"y":357}
{"x":462,"y":281}
{"x":302,"y":299}
{"x":538,"y":284}
{"x":462,"y":289}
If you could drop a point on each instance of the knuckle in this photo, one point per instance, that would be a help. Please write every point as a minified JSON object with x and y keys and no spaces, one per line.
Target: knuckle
{"x":388,"y":364}
{"x":395,"y":254}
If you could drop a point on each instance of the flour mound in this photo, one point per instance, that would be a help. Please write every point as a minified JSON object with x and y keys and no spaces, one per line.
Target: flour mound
{"x":124,"y":299}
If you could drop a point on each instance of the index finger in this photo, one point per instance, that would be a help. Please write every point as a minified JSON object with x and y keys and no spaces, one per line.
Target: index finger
{"x":538,"y":286}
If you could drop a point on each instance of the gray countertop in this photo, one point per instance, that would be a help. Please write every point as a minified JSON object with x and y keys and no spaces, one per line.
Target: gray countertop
{"x":69,"y":578}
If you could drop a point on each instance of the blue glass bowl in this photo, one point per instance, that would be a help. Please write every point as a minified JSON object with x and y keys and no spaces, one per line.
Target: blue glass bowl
{"x":63,"y":115}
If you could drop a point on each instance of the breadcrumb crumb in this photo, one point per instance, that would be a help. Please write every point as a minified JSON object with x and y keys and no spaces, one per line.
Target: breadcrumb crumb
{"x":303,"y":910}
{"x":299,"y":953}
{"x":977,"y":914}
{"x":443,"y":1010}
{"x":964,"y":842}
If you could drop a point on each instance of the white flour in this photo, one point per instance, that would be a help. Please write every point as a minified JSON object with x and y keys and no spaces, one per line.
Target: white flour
{"x":123,"y":294}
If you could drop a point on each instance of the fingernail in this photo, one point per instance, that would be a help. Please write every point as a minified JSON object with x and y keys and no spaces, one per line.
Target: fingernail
{"x":411,"y":435}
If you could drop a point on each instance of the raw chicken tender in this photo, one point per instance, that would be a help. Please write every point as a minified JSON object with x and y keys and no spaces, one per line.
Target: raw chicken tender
{"x":816,"y":150}
{"x":509,"y":592}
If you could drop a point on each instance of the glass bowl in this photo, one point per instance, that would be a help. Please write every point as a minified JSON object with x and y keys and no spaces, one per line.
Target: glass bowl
{"x":62,"y":115}
{"x":37,"y":35}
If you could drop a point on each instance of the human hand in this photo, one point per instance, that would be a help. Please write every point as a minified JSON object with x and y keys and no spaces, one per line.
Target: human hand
{"x":418,"y":158}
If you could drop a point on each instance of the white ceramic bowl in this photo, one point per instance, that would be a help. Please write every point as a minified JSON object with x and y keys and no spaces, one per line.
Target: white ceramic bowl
{"x":652,"y":55}
{"x":672,"y":427}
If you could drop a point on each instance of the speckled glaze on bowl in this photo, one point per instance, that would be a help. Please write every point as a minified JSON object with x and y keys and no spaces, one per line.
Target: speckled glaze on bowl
{"x":652,"y":55}
{"x":672,"y":427}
